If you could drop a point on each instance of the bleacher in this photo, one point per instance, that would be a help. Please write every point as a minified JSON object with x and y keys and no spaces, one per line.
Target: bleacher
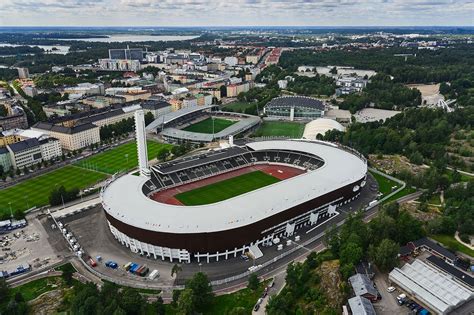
{"x":202,"y":166}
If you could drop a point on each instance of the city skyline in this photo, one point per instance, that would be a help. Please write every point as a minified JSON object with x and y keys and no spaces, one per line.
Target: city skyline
{"x":238,"y":13}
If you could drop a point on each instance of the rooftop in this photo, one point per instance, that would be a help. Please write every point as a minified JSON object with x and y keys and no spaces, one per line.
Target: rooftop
{"x":340,"y":168}
{"x":24,"y":145}
{"x":290,"y":101}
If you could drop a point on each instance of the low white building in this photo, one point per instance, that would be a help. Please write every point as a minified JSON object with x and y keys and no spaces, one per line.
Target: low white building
{"x":319,"y":127}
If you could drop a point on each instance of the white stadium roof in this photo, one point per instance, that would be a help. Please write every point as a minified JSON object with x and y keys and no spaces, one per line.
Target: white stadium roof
{"x":124,"y":200}
{"x":320,"y":126}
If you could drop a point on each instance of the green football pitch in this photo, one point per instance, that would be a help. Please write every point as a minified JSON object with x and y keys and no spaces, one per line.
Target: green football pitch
{"x":36,"y":191}
{"x":226,"y":189}
{"x":205,"y":126}
{"x":280,"y":129}
{"x":121,"y":158}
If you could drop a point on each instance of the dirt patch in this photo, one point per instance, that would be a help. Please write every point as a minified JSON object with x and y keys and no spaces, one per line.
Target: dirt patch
{"x":412,"y":208}
{"x":426,"y":89}
{"x":47,"y":303}
{"x":391,"y":164}
{"x":331,"y":282}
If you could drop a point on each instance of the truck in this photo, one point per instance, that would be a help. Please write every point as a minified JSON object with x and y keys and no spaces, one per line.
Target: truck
{"x":92,"y":262}
{"x":21,"y":269}
{"x":127,"y":266}
{"x":154,"y":274}
{"x":111,"y":264}
{"x":134,"y":268}
{"x":144,"y":271}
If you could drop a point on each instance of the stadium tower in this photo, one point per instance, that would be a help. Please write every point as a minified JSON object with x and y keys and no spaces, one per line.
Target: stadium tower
{"x":141,"y":143}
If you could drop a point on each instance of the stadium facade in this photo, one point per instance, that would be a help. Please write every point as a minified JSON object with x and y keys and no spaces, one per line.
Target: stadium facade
{"x":330,"y":176}
{"x":294,"y":108}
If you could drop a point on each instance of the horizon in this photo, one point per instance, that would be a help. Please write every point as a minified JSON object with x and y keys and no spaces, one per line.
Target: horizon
{"x":199,"y":13}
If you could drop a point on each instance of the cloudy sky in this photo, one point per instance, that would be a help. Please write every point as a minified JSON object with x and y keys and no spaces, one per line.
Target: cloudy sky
{"x":235,"y":12}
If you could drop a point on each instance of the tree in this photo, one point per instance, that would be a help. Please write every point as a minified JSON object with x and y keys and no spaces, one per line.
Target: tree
{"x":162,"y":154}
{"x":68,"y":271}
{"x":186,"y":302}
{"x":158,"y":306}
{"x":202,"y":290}
{"x":131,"y":301}
{"x":253,"y":282}
{"x":149,"y":118}
{"x":386,"y":255}
{"x":351,"y":253}
{"x":175,"y":270}
{"x":4,"y":290}
{"x":333,"y":70}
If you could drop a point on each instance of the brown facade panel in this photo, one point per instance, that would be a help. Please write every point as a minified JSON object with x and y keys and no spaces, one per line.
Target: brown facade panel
{"x":234,"y":238}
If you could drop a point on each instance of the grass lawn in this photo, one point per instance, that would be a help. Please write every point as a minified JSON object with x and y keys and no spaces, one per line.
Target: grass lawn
{"x":385,"y":184}
{"x":36,"y":191}
{"x":451,"y":243}
{"x":239,"y":107}
{"x":205,"y":126}
{"x":405,"y":191}
{"x":226,"y":189}
{"x":280,"y":129}
{"x":121,"y":158}
{"x":224,"y":304}
{"x":35,"y":288}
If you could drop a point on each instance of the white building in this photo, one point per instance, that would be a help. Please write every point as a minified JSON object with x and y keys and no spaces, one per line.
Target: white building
{"x":282,"y":84}
{"x":50,"y":148}
{"x":25,"y":153}
{"x":231,"y":61}
{"x":85,"y":89}
{"x":119,"y":64}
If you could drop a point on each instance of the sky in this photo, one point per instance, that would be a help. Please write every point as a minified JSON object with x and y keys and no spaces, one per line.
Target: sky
{"x":236,"y":13}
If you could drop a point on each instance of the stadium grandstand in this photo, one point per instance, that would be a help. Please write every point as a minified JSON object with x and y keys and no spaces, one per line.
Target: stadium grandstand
{"x":172,"y":126}
{"x":288,"y":184}
{"x":294,"y":108}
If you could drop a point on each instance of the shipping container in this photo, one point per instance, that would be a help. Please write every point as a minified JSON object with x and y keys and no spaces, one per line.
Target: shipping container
{"x":127,"y":266}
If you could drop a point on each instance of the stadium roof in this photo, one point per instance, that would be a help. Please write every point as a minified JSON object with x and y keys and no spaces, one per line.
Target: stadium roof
{"x":432,"y":287}
{"x":124,"y":200}
{"x":233,"y":129}
{"x":320,"y":126}
{"x":165,"y":119}
{"x":291,"y":101}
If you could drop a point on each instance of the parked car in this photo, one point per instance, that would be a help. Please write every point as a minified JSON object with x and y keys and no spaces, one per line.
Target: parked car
{"x":257,"y":306}
{"x":390,"y":289}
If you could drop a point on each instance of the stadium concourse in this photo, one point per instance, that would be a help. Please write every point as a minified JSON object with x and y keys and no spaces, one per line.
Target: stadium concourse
{"x":316,"y":178}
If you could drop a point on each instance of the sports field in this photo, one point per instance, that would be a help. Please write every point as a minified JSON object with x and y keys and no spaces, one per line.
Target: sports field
{"x":121,"y":158}
{"x":226,"y":189}
{"x":205,"y":126}
{"x":35,"y":191}
{"x":280,"y":129}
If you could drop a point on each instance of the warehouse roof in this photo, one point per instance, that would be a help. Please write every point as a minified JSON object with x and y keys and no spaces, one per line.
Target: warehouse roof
{"x":455,"y":272}
{"x":340,"y":168}
{"x":433,"y":288}
{"x":362,"y":285}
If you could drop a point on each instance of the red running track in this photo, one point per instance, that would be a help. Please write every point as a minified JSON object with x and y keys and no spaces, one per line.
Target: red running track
{"x":279,"y":171}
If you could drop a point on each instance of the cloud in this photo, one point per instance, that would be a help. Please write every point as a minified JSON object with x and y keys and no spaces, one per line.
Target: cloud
{"x":236,"y":12}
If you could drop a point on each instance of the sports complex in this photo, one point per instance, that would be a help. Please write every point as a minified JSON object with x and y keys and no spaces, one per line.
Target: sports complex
{"x":202,"y":124}
{"x":223,"y":203}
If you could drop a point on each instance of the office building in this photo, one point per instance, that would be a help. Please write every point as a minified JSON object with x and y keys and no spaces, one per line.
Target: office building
{"x":127,"y":53}
{"x":23,"y":73}
{"x":25,"y":153}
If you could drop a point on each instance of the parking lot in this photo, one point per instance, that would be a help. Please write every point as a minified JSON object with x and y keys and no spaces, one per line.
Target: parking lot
{"x":388,"y":305}
{"x":29,"y":245}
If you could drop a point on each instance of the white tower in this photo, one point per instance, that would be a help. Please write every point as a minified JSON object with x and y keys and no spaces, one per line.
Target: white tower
{"x":141,"y":143}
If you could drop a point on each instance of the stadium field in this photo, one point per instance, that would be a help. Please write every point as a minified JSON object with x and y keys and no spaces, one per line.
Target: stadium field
{"x":280,"y":129}
{"x":121,"y":158}
{"x":36,"y":191}
{"x":226,"y":189}
{"x":205,"y":126}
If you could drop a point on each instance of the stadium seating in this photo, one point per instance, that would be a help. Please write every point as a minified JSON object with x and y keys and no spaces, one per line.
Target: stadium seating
{"x":210,"y":164}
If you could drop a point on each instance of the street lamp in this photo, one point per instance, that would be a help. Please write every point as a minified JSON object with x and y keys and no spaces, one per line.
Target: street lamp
{"x":11,"y":212}
{"x":200,"y":264}
{"x":27,"y":204}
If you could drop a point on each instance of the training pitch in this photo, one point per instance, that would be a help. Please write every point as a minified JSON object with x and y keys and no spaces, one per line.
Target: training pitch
{"x":205,"y":126}
{"x":226,"y":189}
{"x":121,"y":158}
{"x":35,"y":192}
{"x":280,"y":129}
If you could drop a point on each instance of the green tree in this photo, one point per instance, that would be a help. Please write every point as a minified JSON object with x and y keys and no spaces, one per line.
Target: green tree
{"x":186,"y":302}
{"x":162,"y":154}
{"x":351,"y":253}
{"x":131,"y":301}
{"x":386,"y":255}
{"x":202,"y":290}
{"x":253,"y":282}
{"x":158,"y":306}
{"x":175,"y":270}
{"x":149,"y":118}
{"x":68,"y":271}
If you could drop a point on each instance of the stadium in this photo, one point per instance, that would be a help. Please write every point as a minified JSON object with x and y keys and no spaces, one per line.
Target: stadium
{"x":223,"y":203}
{"x":202,"y":124}
{"x":294,"y":108}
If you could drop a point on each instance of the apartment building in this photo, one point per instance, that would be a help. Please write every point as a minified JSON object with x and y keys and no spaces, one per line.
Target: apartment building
{"x":25,"y":153}
{"x":71,"y":138}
